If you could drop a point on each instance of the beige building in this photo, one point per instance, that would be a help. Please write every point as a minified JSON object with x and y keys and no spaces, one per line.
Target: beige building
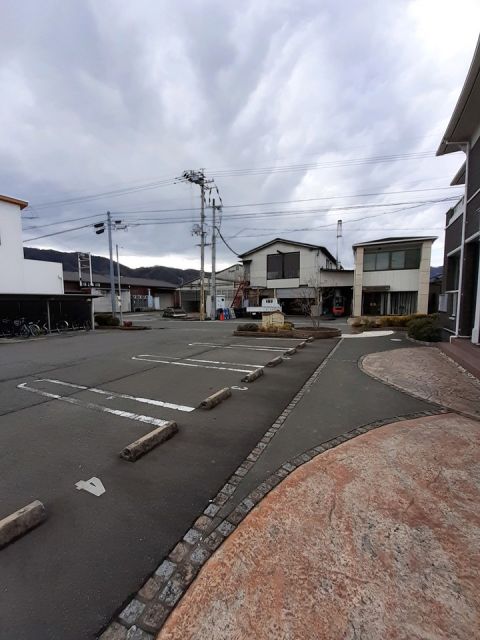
{"x":392,"y":276}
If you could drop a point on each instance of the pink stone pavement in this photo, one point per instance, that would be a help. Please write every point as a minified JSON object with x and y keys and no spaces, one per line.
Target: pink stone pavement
{"x":376,"y":539}
{"x":427,"y":373}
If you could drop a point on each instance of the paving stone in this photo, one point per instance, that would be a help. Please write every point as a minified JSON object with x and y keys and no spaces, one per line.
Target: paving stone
{"x":131,"y":612}
{"x":200,"y":555}
{"x":167,"y":567}
{"x":154,"y":616}
{"x":282,"y":473}
{"x":212,"y":510}
{"x":192,"y":536}
{"x":172,"y":593}
{"x":229,"y":489}
{"x":135,"y":633}
{"x":114,"y":632}
{"x":241,"y":471}
{"x":149,"y":589}
{"x":203,"y":523}
{"x":235,"y":480}
{"x":179,"y":552}
{"x":186,"y":573}
{"x":289,"y":467}
{"x":214,"y":540}
{"x":236,"y":516}
{"x":225,"y":528}
{"x":221,"y":499}
{"x":247,"y":504}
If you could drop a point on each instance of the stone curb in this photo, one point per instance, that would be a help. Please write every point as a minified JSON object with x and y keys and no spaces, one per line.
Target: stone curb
{"x":20,"y":522}
{"x":216,"y":398}
{"x":250,"y":377}
{"x":291,"y":352}
{"x":149,"y":441}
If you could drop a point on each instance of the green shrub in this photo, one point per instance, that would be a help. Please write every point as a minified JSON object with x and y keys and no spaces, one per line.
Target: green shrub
{"x":287,"y":326}
{"x":249,"y":326}
{"x":426,"y":328}
{"x":107,"y":320}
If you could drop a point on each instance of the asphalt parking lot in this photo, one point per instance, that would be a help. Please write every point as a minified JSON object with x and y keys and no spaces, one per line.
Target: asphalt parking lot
{"x":68,"y":406}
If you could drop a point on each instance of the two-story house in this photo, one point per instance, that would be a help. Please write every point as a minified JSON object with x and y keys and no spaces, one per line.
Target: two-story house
{"x":392,"y":276}
{"x":297,"y":274}
{"x":460,"y":303}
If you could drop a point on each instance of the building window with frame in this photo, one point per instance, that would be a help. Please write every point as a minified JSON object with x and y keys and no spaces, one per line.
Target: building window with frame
{"x":392,"y":260}
{"x":283,"y":266}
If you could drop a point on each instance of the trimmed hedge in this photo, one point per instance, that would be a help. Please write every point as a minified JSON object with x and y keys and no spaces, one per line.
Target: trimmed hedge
{"x":249,"y":326}
{"x":426,"y":329}
{"x":107,"y":320}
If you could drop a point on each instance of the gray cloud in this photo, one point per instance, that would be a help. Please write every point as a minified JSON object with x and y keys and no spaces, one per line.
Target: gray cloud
{"x":103,"y":95}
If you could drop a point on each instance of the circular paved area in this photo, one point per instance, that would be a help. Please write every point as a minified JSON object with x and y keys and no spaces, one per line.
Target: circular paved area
{"x":427,"y":373}
{"x":376,"y":539}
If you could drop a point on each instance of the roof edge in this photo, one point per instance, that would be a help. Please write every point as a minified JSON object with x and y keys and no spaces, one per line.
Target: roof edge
{"x":470,"y":79}
{"x":21,"y":203}
{"x":395,"y":241}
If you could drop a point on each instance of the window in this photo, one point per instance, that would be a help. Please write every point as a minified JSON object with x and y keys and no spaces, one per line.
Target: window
{"x":283,"y":265}
{"x":274,"y":266}
{"x":391,"y":260}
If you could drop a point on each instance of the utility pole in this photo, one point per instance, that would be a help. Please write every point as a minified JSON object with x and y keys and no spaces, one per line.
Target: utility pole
{"x":112,"y":276}
{"x":202,"y":249}
{"x":213,"y":292}
{"x":119,"y":288}
{"x":198,"y":177}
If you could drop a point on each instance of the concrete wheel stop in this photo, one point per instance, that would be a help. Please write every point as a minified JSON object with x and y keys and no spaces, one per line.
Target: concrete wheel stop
{"x":148,"y":442}
{"x":20,"y":522}
{"x":216,"y":398}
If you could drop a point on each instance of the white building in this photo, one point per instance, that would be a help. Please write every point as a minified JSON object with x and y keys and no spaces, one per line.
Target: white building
{"x":297,"y":274}
{"x":392,"y":276}
{"x":33,"y":289}
{"x":18,"y":275}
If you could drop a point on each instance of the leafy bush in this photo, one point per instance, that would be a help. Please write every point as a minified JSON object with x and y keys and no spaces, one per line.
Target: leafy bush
{"x":425,"y":328}
{"x":399,"y":321}
{"x":249,"y":326}
{"x":270,"y":329}
{"x":107,"y":320}
{"x":287,"y":326}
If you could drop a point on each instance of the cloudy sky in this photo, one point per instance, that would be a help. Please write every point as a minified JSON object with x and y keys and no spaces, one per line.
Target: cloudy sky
{"x":304,"y":111}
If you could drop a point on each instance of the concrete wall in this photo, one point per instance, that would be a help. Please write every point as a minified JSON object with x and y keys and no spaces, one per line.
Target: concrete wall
{"x":397,"y":280}
{"x":311,"y":261}
{"x":18,"y":275}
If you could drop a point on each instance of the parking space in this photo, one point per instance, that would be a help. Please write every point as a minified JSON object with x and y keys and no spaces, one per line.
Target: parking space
{"x":65,"y":419}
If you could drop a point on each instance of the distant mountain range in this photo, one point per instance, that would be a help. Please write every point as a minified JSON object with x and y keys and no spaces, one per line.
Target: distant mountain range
{"x":101,"y":265}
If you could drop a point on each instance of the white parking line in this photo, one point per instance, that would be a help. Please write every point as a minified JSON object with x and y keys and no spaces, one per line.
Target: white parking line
{"x":191,"y":364}
{"x":236,"y":364}
{"x":124,"y":396}
{"x":236,"y":346}
{"x":96,"y":407}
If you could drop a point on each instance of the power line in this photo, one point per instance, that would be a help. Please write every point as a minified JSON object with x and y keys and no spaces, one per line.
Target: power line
{"x":57,"y":233}
{"x":51,"y":224}
{"x":226,"y":243}
{"x":245,"y":171}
